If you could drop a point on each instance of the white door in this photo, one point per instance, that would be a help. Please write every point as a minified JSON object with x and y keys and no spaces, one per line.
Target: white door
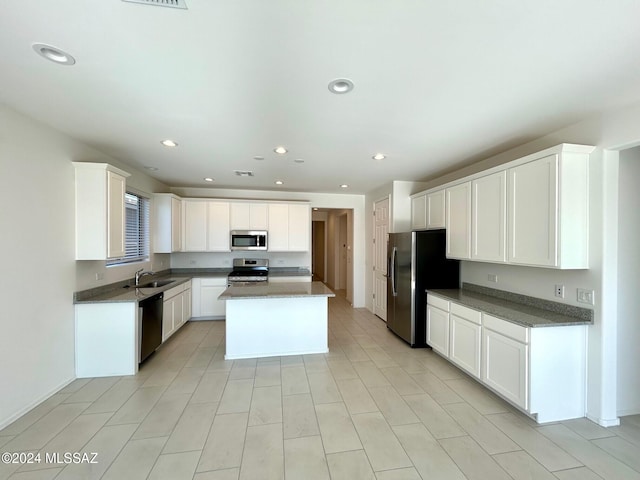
{"x":380,"y":239}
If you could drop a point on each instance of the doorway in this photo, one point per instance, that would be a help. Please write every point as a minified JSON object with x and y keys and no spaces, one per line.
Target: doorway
{"x":318,"y":249}
{"x":332,"y":250}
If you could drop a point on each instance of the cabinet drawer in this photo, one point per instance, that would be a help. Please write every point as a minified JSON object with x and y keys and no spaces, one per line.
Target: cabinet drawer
{"x":508,"y":329}
{"x":466,"y":313}
{"x":172,"y":292}
{"x":438,"y":302}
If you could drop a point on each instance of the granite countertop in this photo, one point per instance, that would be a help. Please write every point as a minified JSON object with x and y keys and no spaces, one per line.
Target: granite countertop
{"x":515,"y":308}
{"x":289,"y":272}
{"x":277,"y":290}
{"x":127,"y":293}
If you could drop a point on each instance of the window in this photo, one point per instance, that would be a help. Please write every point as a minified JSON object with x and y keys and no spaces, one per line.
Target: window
{"x":136,"y":230}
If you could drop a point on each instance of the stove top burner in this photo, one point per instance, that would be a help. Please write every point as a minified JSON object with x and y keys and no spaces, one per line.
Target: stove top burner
{"x":248,"y":270}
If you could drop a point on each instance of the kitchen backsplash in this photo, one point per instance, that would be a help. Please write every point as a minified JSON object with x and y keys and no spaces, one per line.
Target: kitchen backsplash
{"x":225,"y":260}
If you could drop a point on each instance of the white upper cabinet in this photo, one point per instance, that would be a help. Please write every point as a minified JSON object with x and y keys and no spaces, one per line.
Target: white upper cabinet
{"x":167,"y":223}
{"x":206,"y":225}
{"x":278,"y":239}
{"x":289,"y":227}
{"x":428,"y":211}
{"x":533,"y":211}
{"x":249,"y":216}
{"x":100,"y":215}
{"x":195,"y":225}
{"x":458,"y":223}
{"x":489,"y":218}
{"x":548,"y":208}
{"x":436,"y":210}
{"x":419,"y":212}
{"x":218,"y":216}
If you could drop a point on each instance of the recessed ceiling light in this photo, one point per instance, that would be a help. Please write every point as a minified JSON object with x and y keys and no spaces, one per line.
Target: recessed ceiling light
{"x":258,"y":157}
{"x":208,"y":179}
{"x":379,"y":156}
{"x":340,"y":85}
{"x":54,"y":54}
{"x":169,"y":143}
{"x":344,"y":185}
{"x":279,"y":182}
{"x":315,"y":208}
{"x":280,"y":150}
{"x":152,"y":169}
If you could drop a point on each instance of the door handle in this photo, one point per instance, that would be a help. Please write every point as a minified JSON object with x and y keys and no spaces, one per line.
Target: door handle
{"x":393,"y":271}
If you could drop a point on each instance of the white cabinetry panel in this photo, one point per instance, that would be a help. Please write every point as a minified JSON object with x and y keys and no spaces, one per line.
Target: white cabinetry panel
{"x":465,"y":345}
{"x":438,"y":330}
{"x":218,"y":226}
{"x":195,"y":225}
{"x":205,"y":293}
{"x":505,"y":366}
{"x":419,"y":212}
{"x":100,"y":215}
{"x":167,"y":223}
{"x":289,"y":227}
{"x":458,"y":208}
{"x":249,"y":216}
{"x":533,"y":191}
{"x":436,"y":210}
{"x":489,"y":219}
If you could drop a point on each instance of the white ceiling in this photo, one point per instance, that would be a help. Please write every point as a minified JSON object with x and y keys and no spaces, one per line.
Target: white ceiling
{"x":438,"y":84}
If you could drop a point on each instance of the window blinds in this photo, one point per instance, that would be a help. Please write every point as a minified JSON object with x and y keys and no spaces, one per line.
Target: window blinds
{"x":136,"y":230}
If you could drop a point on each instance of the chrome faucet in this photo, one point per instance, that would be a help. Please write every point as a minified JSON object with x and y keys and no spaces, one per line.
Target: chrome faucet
{"x":141,"y":273}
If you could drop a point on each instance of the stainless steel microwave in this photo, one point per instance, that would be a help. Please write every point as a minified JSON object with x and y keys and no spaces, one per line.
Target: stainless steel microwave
{"x":248,"y":239}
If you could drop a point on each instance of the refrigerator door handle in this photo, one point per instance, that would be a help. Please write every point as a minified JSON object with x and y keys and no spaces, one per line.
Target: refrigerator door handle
{"x":393,"y":271}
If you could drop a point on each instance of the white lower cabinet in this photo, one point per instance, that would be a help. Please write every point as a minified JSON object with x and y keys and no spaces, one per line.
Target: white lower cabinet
{"x":176,"y":309}
{"x":540,"y":370}
{"x":438,"y":325}
{"x":505,"y":363}
{"x":205,"y":303}
{"x":465,"y":338}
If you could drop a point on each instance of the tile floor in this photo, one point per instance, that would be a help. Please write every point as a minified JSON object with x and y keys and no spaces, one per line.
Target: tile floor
{"x":372,"y":408}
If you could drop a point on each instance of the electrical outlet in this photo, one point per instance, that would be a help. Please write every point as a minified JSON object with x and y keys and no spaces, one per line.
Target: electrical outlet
{"x":192,"y":262}
{"x":99,"y":276}
{"x":493,"y":278}
{"x":585,"y":296}
{"x":559,"y":291}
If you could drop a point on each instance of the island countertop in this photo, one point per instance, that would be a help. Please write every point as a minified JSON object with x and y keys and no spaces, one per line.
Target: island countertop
{"x":277,"y":290}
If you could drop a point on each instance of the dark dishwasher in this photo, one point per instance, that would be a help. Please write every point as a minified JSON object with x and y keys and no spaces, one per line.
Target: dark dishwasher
{"x":150,"y":314}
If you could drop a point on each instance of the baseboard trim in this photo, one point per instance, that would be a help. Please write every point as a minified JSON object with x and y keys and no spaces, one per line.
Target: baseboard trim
{"x":8,"y":421}
{"x":604,"y":422}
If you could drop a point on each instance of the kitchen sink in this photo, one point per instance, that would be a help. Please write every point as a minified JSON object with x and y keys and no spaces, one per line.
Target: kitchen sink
{"x":156,"y":284}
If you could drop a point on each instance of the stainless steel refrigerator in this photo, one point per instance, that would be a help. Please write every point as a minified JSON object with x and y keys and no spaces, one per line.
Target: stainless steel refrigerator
{"x":416,"y":261}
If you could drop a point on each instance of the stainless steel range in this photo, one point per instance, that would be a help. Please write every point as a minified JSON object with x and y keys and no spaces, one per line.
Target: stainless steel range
{"x":248,"y":271}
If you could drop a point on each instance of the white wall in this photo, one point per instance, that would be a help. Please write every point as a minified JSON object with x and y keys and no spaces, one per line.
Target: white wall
{"x":38,"y":245}
{"x":37,"y":241}
{"x":320,"y":200}
{"x":629,"y":283}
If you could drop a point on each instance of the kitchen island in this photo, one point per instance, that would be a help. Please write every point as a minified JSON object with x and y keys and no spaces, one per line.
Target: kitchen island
{"x":276,"y":319}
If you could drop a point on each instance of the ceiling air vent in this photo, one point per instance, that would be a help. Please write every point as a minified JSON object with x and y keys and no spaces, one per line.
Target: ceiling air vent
{"x":243,"y":173}
{"x":161,"y":3}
